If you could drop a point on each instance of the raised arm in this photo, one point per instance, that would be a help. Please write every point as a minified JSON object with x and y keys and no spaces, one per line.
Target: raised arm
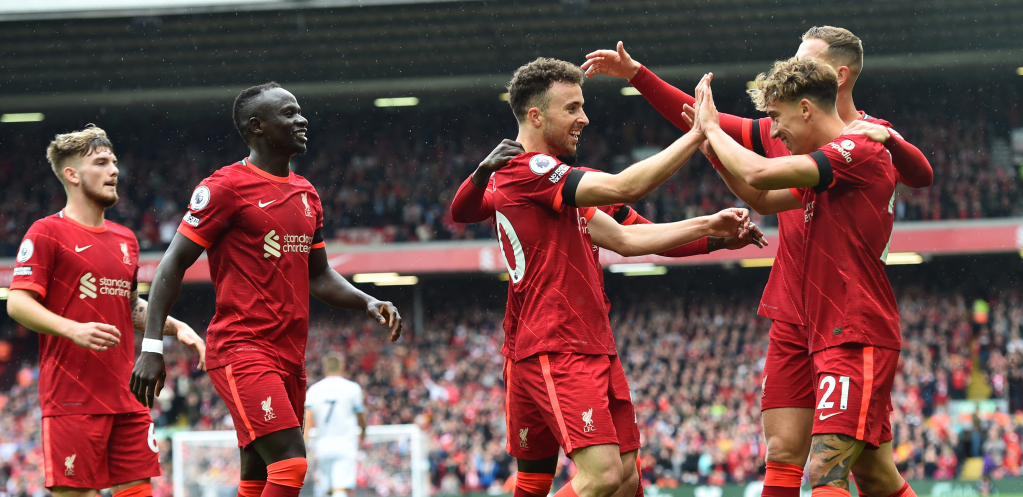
{"x":636,"y":181}
{"x":149,"y":373}
{"x":667,"y":99}
{"x":645,"y":239}
{"x":333,"y":289}
{"x":912,"y":166}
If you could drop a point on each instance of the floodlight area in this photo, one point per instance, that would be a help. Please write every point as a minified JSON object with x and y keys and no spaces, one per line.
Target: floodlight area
{"x":638,"y":269}
{"x":629,"y":91}
{"x":396,"y":102}
{"x":4,"y":292}
{"x":897,"y":258}
{"x":399,"y":281}
{"x":757,"y":262}
{"x":385,"y":279}
{"x":1019,"y":70}
{"x":504,"y":97}
{"x":24,"y":117}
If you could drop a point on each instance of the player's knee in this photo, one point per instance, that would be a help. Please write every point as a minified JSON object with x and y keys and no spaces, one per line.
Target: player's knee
{"x":630,"y":476}
{"x":609,"y":480}
{"x":288,"y":473}
{"x":787,"y":449}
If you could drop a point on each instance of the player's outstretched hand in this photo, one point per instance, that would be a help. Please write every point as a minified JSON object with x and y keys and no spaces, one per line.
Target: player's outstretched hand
{"x":147,"y":378}
{"x":95,"y":336}
{"x":706,"y":112}
{"x":499,"y":157}
{"x":729,"y":222}
{"x":752,"y":236}
{"x":875,"y":132}
{"x":189,"y":337}
{"x":387,"y":315}
{"x":615,"y":63}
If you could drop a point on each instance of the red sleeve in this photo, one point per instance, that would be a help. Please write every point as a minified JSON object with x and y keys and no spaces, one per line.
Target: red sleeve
{"x":695,"y":247}
{"x":847,"y":161}
{"x":472,"y":204}
{"x":34,"y":262}
{"x":210,"y":210}
{"x":542,"y":180}
{"x":911,"y":165}
{"x":669,"y":100}
{"x":318,"y":241}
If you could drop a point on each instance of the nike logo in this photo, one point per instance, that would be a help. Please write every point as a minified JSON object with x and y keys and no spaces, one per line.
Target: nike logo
{"x":823,"y":417}
{"x":79,"y":249}
{"x":261,"y":204}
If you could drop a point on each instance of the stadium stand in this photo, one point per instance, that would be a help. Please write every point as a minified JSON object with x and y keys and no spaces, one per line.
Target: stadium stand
{"x":388,"y":176}
{"x":693,"y":350}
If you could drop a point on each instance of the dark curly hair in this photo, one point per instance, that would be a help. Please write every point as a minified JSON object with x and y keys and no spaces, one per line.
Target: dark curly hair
{"x":528,"y":86}
{"x":242,"y":110}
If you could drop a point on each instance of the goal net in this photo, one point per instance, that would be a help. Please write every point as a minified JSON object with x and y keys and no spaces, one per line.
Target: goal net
{"x":392,"y":462}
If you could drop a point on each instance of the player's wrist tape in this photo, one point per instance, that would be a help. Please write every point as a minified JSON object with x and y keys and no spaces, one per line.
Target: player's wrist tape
{"x":152,"y":345}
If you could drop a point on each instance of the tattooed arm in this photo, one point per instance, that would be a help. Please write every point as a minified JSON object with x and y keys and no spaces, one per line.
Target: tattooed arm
{"x":831,"y":458}
{"x":172,"y":327}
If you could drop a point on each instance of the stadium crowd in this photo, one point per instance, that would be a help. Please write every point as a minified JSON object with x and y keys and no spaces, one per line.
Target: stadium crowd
{"x":694,"y":364}
{"x":389,"y":176}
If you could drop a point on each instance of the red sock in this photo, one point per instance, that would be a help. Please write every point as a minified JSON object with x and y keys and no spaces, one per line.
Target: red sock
{"x":782,"y":480}
{"x":566,"y":491}
{"x":905,"y":491}
{"x":251,"y":488}
{"x":532,"y":484}
{"x":285,"y":478}
{"x":826,"y":491}
{"x":140,"y":490}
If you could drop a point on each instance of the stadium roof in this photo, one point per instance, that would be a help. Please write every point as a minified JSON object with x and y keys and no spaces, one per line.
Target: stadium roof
{"x":464,"y":44}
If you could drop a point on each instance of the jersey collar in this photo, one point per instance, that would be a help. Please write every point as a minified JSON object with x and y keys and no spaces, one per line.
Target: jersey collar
{"x":266,"y":174}
{"x":93,"y":229}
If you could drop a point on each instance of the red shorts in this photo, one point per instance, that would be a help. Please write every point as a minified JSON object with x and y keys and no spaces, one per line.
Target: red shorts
{"x":788,"y":372}
{"x":569,"y":401}
{"x":97,"y":451}
{"x":854,"y":392}
{"x":262,"y":400}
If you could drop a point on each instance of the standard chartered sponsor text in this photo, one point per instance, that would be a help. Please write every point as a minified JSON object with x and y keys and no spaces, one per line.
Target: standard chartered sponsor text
{"x":110,"y":286}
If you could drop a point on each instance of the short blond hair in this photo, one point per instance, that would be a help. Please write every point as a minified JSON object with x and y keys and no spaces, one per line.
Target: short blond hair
{"x":844,"y":48}
{"x":793,"y":80}
{"x":75,"y":143}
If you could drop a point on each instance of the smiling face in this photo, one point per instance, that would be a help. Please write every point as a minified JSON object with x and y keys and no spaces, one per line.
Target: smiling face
{"x":563,"y":120}
{"x":280,"y":121}
{"x":96,"y":175}
{"x":790,"y":123}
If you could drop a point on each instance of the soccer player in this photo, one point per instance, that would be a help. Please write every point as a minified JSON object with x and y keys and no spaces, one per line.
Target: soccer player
{"x":845,"y":185}
{"x":565,"y":384}
{"x":335,"y":407}
{"x":260,"y":225}
{"x":75,"y":283}
{"x":787,"y":400}
{"x":473,"y":204}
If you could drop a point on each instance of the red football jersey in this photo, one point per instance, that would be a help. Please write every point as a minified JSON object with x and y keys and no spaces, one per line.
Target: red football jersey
{"x":84,"y":274}
{"x":848,"y":220}
{"x":556,"y":301}
{"x":783,"y":297}
{"x":257,"y":229}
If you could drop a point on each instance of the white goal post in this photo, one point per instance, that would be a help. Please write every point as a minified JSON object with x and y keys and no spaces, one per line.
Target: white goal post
{"x":206,"y":462}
